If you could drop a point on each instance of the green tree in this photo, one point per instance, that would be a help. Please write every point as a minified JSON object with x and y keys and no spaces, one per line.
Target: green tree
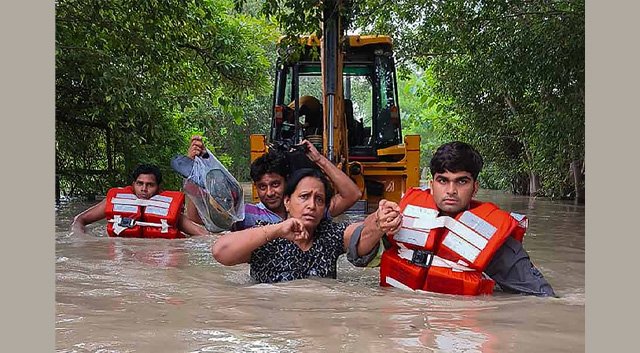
{"x":511,"y":74}
{"x":128,"y":72}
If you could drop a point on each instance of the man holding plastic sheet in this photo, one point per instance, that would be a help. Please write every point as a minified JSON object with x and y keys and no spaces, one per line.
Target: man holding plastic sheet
{"x":269,"y":173}
{"x":141,"y":210}
{"x":449,"y":243}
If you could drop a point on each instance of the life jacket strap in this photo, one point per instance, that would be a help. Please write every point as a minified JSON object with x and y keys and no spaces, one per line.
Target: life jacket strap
{"x":434,"y":260}
{"x":121,"y":223}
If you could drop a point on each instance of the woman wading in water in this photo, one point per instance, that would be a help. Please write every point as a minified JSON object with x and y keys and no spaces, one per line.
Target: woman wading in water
{"x":305,"y":244}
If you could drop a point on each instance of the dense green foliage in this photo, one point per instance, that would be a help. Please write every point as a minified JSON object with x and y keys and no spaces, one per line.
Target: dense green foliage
{"x":506,"y":76}
{"x":134,"y":79}
{"x":509,"y":76}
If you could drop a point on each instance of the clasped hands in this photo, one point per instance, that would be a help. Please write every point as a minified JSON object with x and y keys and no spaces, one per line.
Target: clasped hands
{"x":388,"y":218}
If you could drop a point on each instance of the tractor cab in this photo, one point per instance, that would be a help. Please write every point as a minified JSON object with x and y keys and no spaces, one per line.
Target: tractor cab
{"x":370,"y":102}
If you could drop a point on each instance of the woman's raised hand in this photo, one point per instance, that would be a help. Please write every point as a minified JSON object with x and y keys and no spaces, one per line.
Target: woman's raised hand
{"x":292,"y":229}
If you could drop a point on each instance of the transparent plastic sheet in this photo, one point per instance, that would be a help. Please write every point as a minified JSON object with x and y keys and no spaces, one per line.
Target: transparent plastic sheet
{"x":217,"y":195}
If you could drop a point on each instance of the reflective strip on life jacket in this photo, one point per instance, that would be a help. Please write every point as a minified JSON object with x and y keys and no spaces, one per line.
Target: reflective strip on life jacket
{"x":397,"y":284}
{"x":138,"y":202}
{"x":125,"y":208}
{"x":417,"y":225}
{"x":420,"y":212}
{"x":469,"y":237}
{"x":476,"y":235}
{"x":521,"y":229}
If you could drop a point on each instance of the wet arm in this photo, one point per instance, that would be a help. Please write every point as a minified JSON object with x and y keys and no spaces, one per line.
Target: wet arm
{"x":513,"y":270}
{"x":347,"y":192}
{"x":386,"y":219}
{"x":192,"y":212}
{"x":236,"y":247}
{"x":196,"y":148}
{"x":93,"y":214}
{"x":186,"y":226}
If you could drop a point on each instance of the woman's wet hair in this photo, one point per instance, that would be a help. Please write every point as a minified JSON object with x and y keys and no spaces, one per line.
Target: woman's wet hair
{"x":296,"y":176}
{"x":455,"y":157}
{"x":273,"y":161}
{"x":147,"y":169}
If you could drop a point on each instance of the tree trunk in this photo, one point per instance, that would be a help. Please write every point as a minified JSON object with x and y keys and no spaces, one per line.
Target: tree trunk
{"x":534,"y":181}
{"x":577,"y":181}
{"x":534,"y":184}
{"x":57,"y":189}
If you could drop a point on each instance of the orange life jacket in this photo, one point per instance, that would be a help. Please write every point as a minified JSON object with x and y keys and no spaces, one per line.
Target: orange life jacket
{"x":156,"y":217}
{"x":398,"y":269}
{"x":443,"y":254}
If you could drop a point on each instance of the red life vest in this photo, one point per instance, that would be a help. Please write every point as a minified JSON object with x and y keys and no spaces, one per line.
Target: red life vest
{"x":443,"y":254}
{"x":398,"y":269}
{"x":156,"y":217}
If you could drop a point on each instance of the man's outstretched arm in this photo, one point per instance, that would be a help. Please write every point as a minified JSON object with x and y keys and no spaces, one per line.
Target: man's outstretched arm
{"x":92,"y":214}
{"x":196,"y":148}
{"x":186,"y":226}
{"x":512,"y":269}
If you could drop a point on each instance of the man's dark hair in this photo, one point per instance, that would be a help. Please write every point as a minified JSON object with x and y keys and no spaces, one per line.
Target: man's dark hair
{"x":273,"y":161}
{"x":455,"y":157}
{"x":296,"y":176}
{"x":147,"y":169}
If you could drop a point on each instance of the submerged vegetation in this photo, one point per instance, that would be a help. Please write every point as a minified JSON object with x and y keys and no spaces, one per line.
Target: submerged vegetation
{"x":135,"y":79}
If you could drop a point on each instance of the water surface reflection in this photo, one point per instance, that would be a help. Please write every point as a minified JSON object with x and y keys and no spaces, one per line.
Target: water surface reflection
{"x":125,"y":295}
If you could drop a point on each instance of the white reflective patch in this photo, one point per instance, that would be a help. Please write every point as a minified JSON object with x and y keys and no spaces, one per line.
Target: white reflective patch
{"x":523,"y":221}
{"x":408,"y":222}
{"x":461,"y":247}
{"x":162,"y":198}
{"x":126,"y":196}
{"x":394,"y":283}
{"x":125,"y":208}
{"x":419,"y":212}
{"x":467,"y":234}
{"x":139,"y":202}
{"x":160,"y":211}
{"x":430,"y":223}
{"x":411,"y":236}
{"x":444,"y":263}
{"x":478,"y":224}
{"x":421,"y":223}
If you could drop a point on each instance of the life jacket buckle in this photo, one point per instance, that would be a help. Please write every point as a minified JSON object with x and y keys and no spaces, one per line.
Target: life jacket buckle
{"x":422,"y":258}
{"x":127,"y":222}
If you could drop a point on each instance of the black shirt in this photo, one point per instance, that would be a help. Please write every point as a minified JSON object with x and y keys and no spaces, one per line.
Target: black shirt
{"x":282,"y":260}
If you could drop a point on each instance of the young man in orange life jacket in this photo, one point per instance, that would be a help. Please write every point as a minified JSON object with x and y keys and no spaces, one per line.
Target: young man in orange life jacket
{"x":450,"y":243}
{"x":141,"y":210}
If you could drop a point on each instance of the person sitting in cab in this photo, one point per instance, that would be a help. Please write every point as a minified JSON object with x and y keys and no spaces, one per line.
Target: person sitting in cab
{"x":306,"y":243}
{"x":269,"y":173}
{"x":141,"y":210}
{"x":311,"y":108}
{"x":450,"y":243}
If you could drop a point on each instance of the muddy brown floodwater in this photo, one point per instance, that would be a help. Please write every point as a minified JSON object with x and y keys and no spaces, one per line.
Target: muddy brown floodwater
{"x":157,"y":295}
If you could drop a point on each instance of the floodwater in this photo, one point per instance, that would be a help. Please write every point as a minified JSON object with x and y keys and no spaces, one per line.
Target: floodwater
{"x":157,"y":295}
